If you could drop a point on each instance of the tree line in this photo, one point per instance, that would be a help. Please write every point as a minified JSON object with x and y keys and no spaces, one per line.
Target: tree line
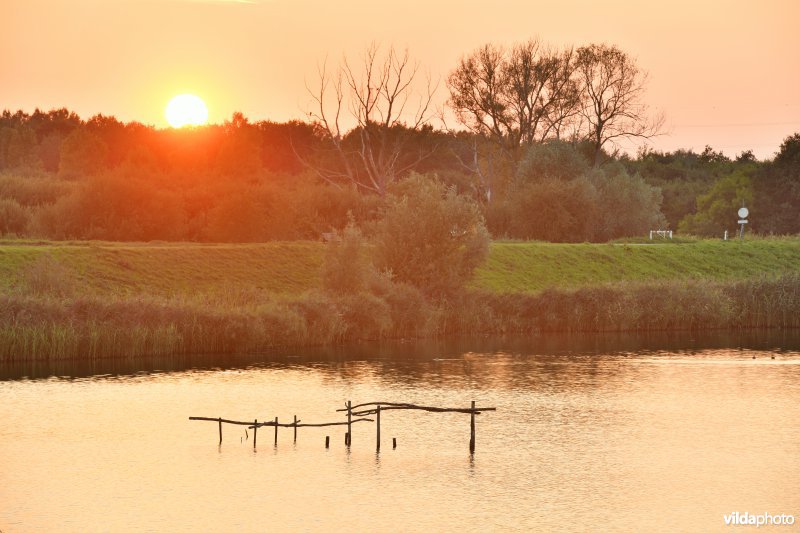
{"x":536,"y":150}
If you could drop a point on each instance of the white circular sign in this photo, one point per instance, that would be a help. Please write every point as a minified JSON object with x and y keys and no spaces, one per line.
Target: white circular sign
{"x":743,"y":212}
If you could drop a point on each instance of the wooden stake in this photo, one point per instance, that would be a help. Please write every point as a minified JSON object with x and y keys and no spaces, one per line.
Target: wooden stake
{"x":255,"y":432}
{"x":349,"y":429}
{"x":378,"y":437}
{"x":472,"y":429}
{"x":394,"y":442}
{"x":327,"y":441}
{"x":276,"y":431}
{"x":295,"y":428}
{"x":220,"y":431}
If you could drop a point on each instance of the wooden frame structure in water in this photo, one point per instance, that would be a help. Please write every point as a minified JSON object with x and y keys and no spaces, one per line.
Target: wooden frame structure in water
{"x":355,"y":413}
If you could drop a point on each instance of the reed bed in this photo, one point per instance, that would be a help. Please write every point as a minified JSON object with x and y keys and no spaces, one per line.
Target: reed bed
{"x":35,"y":325}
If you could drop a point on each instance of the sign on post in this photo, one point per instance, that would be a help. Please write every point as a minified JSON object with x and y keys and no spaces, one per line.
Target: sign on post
{"x":743,"y":212}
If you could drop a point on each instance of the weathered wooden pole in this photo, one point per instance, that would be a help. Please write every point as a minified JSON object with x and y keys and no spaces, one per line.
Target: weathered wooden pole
{"x":378,"y":437}
{"x":276,"y":431}
{"x":255,"y":432}
{"x":295,"y":428}
{"x":394,"y":442}
{"x":349,"y":423}
{"x":472,"y":429}
{"x":327,"y":441}
{"x":220,"y":431}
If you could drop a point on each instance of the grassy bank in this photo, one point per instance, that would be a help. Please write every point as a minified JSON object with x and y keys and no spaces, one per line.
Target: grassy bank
{"x":531,"y":267}
{"x":163,"y":269}
{"x":94,"y":300}
{"x":169,"y":269}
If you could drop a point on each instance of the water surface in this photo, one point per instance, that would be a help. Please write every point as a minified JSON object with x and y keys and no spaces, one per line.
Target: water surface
{"x":591,"y":433}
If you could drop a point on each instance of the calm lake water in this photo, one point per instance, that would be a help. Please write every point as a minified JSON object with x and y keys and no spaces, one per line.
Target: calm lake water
{"x":593,"y":433}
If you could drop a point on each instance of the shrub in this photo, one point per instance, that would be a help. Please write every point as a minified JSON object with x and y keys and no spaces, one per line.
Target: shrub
{"x":347,"y":268}
{"x":553,"y":210}
{"x":430,"y":236}
{"x":557,"y":160}
{"x":13,"y":217}
{"x":627,"y":206}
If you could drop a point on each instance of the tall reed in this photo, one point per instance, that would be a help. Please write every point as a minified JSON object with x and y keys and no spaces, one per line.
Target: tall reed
{"x":39,"y":326}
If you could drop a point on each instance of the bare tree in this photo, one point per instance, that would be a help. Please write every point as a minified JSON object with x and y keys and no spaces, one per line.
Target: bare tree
{"x":612,"y":87}
{"x":379,"y":101}
{"x":518,"y":96}
{"x":478,"y":93}
{"x":512,"y":98}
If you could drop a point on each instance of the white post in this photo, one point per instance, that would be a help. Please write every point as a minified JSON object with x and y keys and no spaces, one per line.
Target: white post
{"x":651,"y":235}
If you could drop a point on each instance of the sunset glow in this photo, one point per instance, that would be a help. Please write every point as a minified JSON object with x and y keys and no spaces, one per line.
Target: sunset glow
{"x":186,"y":110}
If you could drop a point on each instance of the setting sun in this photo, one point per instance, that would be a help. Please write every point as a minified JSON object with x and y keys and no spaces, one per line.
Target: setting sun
{"x":186,"y":110}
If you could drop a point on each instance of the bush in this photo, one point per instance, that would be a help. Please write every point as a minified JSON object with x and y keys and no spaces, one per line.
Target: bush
{"x":627,"y":206}
{"x":347,"y":269}
{"x":33,"y":191}
{"x":430,"y":236}
{"x":553,"y":160}
{"x":13,"y":217}
{"x":553,"y":210}
{"x":599,"y":206}
{"x":716,"y":210}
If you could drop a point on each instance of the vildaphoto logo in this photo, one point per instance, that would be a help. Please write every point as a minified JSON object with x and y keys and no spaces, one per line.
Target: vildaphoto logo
{"x":763,"y":519}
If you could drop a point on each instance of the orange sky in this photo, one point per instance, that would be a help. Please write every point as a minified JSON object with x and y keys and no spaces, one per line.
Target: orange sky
{"x":725,"y":73}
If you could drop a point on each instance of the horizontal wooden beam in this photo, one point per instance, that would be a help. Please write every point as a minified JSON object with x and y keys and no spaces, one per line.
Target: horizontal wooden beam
{"x":273,"y":424}
{"x":392,"y":405}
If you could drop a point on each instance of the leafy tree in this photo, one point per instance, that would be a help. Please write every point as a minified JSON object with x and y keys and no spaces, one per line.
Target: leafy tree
{"x":239,"y":153}
{"x":788,"y":157}
{"x":19,"y":149}
{"x":430,"y":236}
{"x":776,"y":206}
{"x":82,"y":154}
{"x":716,"y":210}
{"x":627,"y":206}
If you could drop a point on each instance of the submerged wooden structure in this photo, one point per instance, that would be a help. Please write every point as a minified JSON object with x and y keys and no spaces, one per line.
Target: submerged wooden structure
{"x":355,"y":413}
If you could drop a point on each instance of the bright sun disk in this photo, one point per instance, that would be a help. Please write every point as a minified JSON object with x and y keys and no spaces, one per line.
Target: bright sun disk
{"x":186,"y":110}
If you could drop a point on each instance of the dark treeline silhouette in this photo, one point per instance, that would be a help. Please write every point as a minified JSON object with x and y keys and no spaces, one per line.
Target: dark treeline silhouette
{"x":537,"y":153}
{"x":66,"y":178}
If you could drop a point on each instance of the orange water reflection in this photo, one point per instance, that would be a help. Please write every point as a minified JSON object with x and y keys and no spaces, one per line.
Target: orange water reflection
{"x":625,"y":440}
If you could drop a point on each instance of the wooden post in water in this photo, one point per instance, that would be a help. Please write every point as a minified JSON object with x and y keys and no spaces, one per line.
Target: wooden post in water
{"x":472,"y":429}
{"x":276,"y":431}
{"x":327,"y":441}
{"x":220,"y":431}
{"x":255,"y":432}
{"x":378,"y":437}
{"x":295,"y":428}
{"x":349,"y":427}
{"x":394,"y":442}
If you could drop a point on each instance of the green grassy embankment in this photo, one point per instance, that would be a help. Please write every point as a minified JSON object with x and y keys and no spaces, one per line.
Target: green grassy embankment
{"x":66,"y":300}
{"x":531,"y":267}
{"x":167,"y":269}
